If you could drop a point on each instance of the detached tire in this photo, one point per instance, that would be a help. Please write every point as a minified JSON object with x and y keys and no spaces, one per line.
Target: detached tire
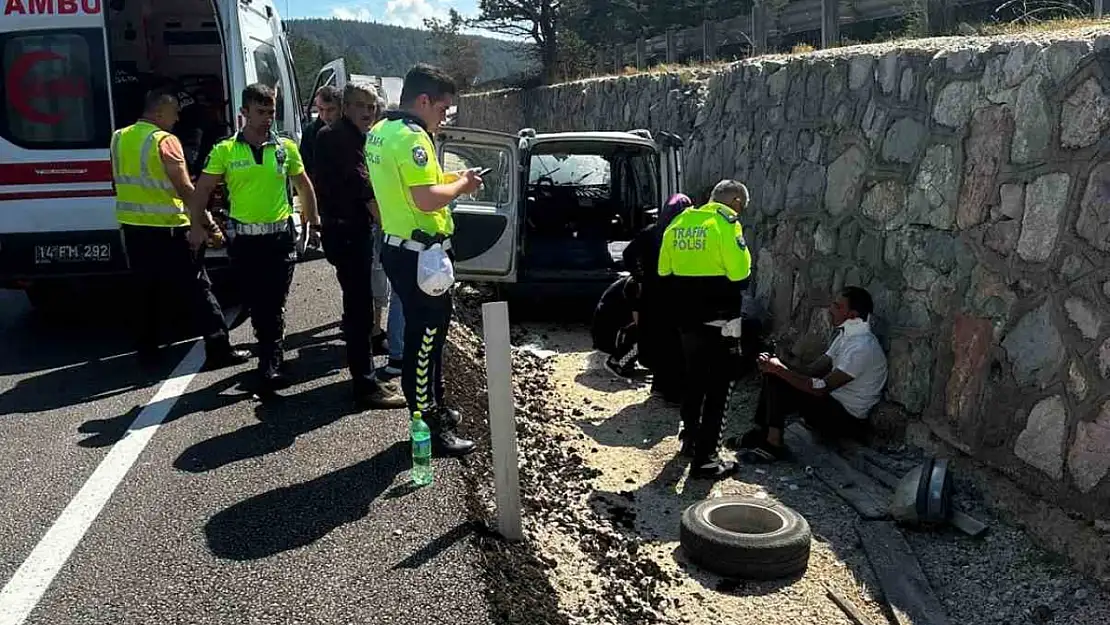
{"x":745,"y":538}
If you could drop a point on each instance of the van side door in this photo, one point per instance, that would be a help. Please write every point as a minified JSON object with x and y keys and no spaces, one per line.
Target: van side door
{"x":263,"y":63}
{"x":486,"y":238}
{"x":333,"y":74}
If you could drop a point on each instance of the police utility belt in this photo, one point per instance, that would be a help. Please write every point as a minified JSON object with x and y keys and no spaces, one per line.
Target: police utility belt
{"x":419,"y":242}
{"x":236,"y":228}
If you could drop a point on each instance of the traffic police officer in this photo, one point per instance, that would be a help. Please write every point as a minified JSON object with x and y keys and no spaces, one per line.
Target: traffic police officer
{"x":257,"y":165}
{"x":413,"y":196}
{"x":704,"y":264}
{"x":151,"y":178}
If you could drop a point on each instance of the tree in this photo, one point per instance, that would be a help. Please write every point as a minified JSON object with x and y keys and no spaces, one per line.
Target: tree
{"x":537,"y":20}
{"x":459,"y":55}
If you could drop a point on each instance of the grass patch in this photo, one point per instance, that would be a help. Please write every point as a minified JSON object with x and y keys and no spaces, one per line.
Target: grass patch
{"x":1045,"y":26}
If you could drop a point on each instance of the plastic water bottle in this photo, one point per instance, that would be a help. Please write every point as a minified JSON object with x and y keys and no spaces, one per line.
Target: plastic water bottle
{"x":421,"y":451}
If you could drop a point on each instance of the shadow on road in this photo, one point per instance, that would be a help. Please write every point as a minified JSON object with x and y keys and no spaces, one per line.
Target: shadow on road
{"x":445,"y":541}
{"x":295,"y":516}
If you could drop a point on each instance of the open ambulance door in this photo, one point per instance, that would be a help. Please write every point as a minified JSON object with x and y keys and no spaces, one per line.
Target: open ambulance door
{"x":334,"y":74}
{"x":670,"y":165}
{"x":486,"y":239}
{"x":265,"y":60}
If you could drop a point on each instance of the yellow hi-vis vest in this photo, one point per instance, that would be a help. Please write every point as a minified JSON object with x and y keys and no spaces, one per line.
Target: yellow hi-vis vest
{"x":144,"y":194}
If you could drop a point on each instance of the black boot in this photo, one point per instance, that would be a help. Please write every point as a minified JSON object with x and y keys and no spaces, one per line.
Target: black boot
{"x":450,"y":416}
{"x":272,"y":370}
{"x":712,"y":468}
{"x":444,"y":437}
{"x":218,"y":353}
{"x":687,"y":437}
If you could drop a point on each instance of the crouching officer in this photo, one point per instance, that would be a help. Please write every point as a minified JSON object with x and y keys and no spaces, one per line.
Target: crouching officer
{"x":151,"y":179}
{"x":413,"y":194}
{"x":257,"y":164}
{"x":704,"y":265}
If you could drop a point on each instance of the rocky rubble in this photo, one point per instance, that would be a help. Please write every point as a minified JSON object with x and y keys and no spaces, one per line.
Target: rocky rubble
{"x":555,"y":491}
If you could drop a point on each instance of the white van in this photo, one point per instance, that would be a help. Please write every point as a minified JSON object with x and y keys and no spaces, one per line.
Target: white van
{"x":335,"y":74}
{"x":72,"y":72}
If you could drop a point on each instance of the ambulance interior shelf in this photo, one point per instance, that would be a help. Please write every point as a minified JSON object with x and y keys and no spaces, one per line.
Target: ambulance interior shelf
{"x":584,"y":202}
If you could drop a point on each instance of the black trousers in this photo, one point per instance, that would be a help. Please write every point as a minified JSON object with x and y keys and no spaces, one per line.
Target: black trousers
{"x":426,"y":321}
{"x":778,"y":400}
{"x":167,"y":274}
{"x":351,"y":251}
{"x":660,"y":350}
{"x":264,"y":264}
{"x":626,"y":345}
{"x":709,"y":370}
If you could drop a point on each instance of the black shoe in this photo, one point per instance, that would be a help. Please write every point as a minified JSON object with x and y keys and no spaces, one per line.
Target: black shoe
{"x":447,"y":441}
{"x":764,"y":453}
{"x":616,"y":369}
{"x":225,"y":358}
{"x":714,"y":468}
{"x":275,"y":380}
{"x":380,"y":345}
{"x":750,"y":440}
{"x":448,"y":416}
{"x":687,"y":449}
{"x":371,"y":394}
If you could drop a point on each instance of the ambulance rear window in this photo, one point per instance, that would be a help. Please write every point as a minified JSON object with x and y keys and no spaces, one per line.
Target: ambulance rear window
{"x":55,"y":89}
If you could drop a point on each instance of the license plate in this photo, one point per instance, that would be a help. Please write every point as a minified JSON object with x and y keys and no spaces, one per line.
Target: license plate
{"x":73,"y":253}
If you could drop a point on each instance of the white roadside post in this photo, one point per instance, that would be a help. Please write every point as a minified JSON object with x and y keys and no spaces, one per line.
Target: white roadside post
{"x":502,"y":422}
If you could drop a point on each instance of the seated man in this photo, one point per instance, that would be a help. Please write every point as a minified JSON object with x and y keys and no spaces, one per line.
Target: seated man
{"x":833,"y":395}
{"x":614,"y":327}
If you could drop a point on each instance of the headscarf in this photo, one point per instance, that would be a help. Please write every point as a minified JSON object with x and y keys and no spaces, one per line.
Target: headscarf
{"x":678,"y":203}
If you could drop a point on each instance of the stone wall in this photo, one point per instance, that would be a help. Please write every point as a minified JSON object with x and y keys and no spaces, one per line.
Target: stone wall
{"x":964,"y":182}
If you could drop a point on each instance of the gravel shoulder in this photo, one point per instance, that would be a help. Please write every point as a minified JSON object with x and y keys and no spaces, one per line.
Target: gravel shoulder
{"x":603,"y":491}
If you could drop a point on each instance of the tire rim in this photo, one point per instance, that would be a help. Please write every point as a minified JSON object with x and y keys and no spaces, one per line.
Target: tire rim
{"x":744,"y":518}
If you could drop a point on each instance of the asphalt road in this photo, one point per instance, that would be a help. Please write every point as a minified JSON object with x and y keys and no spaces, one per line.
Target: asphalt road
{"x":238,"y":511}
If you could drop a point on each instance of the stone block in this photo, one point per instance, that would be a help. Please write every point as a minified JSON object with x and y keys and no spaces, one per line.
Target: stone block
{"x":1046,"y":199}
{"x":778,"y":83}
{"x":1077,"y":381}
{"x":919,"y":276}
{"x":1089,"y":458}
{"x":888,"y":71}
{"x":875,"y":121}
{"x":971,"y":342}
{"x":914,"y":312}
{"x":805,"y":186}
{"x":1019,"y":63}
{"x":903,"y":140}
{"x":1093,"y":224}
{"x":885,"y":203}
{"x":988,"y":295}
{"x":1084,"y":317}
{"x":845,"y":177}
{"x":870,"y":250}
{"x":910,"y":369}
{"x":847,"y":239}
{"x":764,"y":277}
{"x":905,"y":87}
{"x":1104,"y":359}
{"x":991,"y":130}
{"x":1033,"y":127}
{"x":824,"y":239}
{"x":1035,"y":348}
{"x":1002,"y":237}
{"x":1041,"y":443}
{"x":1059,"y":59}
{"x":1075,"y":267}
{"x":933,"y":194}
{"x":1012,"y":205}
{"x":861,"y":71}
{"x":993,"y":83}
{"x":1084,"y":116}
{"x":955,"y":103}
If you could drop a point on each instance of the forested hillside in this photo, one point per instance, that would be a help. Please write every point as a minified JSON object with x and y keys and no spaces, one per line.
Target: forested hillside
{"x":384,"y":50}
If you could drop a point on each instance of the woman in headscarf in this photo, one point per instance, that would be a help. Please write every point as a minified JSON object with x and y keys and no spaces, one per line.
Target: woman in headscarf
{"x":658,"y":340}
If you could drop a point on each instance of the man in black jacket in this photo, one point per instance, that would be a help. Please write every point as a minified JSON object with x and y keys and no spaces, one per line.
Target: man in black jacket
{"x":347,"y":211}
{"x":327,"y":112}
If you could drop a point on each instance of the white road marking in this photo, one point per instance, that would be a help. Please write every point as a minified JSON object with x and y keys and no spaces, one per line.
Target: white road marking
{"x":31,"y":580}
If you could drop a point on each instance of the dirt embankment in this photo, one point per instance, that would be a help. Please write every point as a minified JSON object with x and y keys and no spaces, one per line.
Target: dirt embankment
{"x":602,"y":492}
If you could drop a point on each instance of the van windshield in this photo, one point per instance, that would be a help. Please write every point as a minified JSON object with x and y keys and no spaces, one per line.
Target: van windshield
{"x":55,"y":89}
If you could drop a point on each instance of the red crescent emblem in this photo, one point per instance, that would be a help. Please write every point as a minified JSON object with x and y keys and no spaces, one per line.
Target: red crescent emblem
{"x":17,"y":95}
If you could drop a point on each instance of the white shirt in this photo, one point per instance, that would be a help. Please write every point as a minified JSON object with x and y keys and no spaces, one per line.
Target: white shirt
{"x":857,"y":352}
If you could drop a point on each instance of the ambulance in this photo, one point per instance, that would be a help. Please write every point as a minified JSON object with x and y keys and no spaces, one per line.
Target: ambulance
{"x":73,"y":71}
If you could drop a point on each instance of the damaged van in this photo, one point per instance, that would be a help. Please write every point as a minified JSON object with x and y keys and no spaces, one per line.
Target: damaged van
{"x":557,"y":209}
{"x":73,"y":71}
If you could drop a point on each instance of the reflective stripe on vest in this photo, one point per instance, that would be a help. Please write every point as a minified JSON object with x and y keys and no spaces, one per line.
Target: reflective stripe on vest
{"x":144,"y":194}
